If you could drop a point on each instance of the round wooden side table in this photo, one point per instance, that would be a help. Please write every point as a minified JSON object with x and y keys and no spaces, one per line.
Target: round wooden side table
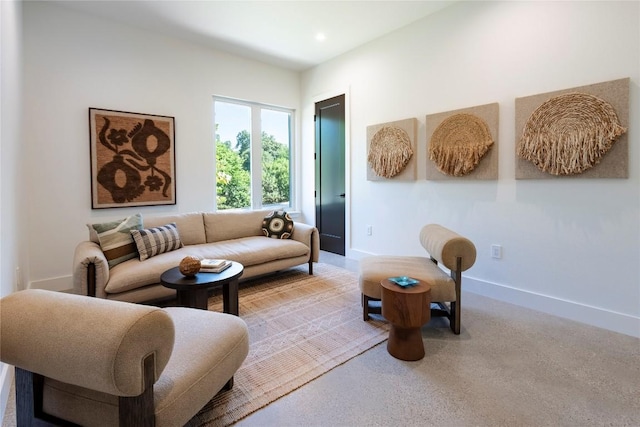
{"x":406,"y":309}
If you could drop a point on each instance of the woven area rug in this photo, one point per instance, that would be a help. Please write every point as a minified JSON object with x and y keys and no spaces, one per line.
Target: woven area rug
{"x":300,"y":327}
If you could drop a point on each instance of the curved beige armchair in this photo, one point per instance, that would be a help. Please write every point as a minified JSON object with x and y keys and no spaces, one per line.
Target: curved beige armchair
{"x":91,"y":361}
{"x":445,"y":248}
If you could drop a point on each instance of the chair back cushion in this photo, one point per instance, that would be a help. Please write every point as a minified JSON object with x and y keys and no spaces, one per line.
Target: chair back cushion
{"x":445,"y":246}
{"x":90,"y":342}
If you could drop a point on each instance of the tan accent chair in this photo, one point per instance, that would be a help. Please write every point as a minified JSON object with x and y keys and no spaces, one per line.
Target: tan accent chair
{"x":95,"y":362}
{"x":446,"y":248}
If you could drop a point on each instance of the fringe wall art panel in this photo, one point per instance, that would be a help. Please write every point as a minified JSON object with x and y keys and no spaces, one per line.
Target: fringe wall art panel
{"x":391,"y":150}
{"x":578,"y":132}
{"x":463,"y":144}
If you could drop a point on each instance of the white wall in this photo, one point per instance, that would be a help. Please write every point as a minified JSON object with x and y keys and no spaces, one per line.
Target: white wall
{"x":570,"y":246}
{"x":11,"y":220}
{"x":11,"y":153}
{"x":75,"y":61}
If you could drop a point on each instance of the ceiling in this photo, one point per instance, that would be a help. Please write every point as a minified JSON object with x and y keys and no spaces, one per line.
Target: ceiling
{"x":282,"y":33}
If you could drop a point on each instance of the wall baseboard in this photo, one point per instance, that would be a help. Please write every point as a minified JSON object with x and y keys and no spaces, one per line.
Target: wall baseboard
{"x":63,"y":283}
{"x":590,"y":315}
{"x":594,"y":316}
{"x":6,"y":378}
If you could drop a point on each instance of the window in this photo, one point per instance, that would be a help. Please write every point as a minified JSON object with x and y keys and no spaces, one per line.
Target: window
{"x":253,"y":155}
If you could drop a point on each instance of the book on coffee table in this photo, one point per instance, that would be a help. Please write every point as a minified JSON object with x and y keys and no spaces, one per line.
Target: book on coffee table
{"x":214,"y":265}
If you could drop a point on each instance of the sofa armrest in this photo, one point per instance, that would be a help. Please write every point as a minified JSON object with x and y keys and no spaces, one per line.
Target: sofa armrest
{"x":90,"y":270}
{"x":56,"y":344}
{"x":308,"y":234}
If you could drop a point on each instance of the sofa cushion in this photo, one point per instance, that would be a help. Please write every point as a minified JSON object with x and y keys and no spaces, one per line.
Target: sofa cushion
{"x":115,"y":238}
{"x":153,"y":241}
{"x":135,"y":274}
{"x":252,"y":250}
{"x":190,"y":226}
{"x":248,"y":251}
{"x":277,"y":225}
{"x":204,"y":358}
{"x":227,"y":225}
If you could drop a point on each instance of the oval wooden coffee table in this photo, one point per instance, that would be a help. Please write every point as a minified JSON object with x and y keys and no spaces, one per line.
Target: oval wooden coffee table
{"x":406,"y":309}
{"x":194,"y":291}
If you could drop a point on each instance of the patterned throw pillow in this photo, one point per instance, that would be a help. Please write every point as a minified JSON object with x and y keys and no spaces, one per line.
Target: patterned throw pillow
{"x":154,"y":241}
{"x":277,"y":225}
{"x":115,"y":238}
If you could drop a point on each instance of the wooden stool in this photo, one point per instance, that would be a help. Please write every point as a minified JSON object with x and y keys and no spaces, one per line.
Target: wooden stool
{"x":407,"y":309}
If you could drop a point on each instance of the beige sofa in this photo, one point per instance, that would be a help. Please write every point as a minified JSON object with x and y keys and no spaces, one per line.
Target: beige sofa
{"x":233,"y":235}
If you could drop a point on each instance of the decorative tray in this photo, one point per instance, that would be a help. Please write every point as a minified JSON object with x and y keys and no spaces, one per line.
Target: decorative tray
{"x":403,"y":281}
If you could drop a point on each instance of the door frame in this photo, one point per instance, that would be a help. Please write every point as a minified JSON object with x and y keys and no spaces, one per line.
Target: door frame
{"x":347,"y":156}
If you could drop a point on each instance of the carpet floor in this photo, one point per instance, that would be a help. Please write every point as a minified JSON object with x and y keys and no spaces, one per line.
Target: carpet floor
{"x":300,"y":327}
{"x":509,"y":367}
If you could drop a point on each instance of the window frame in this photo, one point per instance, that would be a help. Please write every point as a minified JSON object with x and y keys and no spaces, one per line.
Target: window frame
{"x":256,"y":109}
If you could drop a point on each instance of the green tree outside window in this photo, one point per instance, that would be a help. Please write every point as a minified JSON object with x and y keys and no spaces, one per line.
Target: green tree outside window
{"x":233,"y":177}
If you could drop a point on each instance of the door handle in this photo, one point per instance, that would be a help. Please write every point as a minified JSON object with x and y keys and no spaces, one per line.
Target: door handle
{"x":342,"y":195}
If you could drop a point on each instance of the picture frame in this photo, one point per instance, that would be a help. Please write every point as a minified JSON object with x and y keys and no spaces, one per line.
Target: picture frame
{"x":132,"y":159}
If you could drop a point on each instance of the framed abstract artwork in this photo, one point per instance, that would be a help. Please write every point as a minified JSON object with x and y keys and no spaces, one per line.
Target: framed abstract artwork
{"x":132,"y":159}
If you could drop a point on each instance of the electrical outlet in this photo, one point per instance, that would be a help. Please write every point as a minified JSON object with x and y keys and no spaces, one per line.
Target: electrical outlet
{"x":18,"y":278}
{"x":496,"y":251}
{"x":369,"y":230}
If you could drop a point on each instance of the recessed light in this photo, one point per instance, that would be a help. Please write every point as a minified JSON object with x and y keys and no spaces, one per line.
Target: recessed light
{"x":320,"y":37}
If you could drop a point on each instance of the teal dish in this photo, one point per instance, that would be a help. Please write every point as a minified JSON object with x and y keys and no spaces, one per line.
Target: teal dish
{"x":403,"y":281}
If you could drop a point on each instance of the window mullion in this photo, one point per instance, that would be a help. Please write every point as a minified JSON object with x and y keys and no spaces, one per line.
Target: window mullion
{"x":256,"y":157}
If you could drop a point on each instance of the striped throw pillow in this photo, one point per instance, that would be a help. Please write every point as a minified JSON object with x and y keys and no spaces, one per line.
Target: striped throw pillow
{"x":115,"y":238}
{"x":157,"y":240}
